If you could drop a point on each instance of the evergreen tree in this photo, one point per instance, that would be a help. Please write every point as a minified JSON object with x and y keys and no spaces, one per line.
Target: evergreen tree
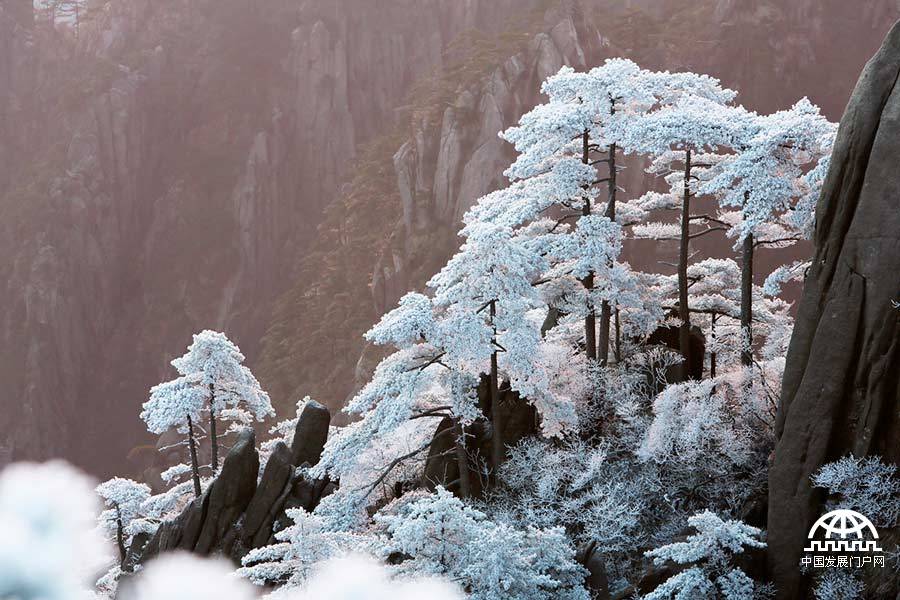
{"x":680,"y":137}
{"x":764,"y":177}
{"x":123,"y":499}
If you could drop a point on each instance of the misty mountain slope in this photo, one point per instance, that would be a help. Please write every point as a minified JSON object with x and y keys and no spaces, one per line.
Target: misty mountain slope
{"x":167,"y":172}
{"x":189,"y":150}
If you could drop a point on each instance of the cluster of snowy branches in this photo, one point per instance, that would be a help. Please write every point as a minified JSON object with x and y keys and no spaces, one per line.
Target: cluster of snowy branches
{"x":868,"y":486}
{"x":539,"y":301}
{"x":439,"y":536}
{"x":708,"y":556}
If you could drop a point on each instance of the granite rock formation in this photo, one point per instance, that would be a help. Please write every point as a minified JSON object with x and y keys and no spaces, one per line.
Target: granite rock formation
{"x":242,"y":509}
{"x":841,"y":391}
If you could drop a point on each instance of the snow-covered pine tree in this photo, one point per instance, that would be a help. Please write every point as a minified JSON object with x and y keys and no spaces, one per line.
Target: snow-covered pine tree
{"x":765,"y":177}
{"x":177,"y":404}
{"x":485,"y":293}
{"x":409,"y":389}
{"x":481,"y":321}
{"x":213,"y":364}
{"x":716,"y":300}
{"x":708,"y":555}
{"x":123,"y":499}
{"x":556,"y":176}
{"x":682,"y":135}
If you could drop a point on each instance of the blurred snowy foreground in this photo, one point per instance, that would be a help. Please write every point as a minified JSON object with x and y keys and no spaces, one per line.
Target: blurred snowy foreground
{"x":50,"y":549}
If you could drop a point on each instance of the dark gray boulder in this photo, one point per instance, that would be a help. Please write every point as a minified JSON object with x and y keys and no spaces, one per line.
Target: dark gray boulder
{"x":209,"y":523}
{"x":269,"y":498}
{"x":180,"y":533}
{"x":229,"y":495}
{"x":304,"y":493}
{"x":441,"y":464}
{"x":310,"y":434}
{"x":517,"y":417}
{"x":135,"y":549}
{"x":307,"y":493}
{"x":841,"y":389}
{"x":518,"y":420}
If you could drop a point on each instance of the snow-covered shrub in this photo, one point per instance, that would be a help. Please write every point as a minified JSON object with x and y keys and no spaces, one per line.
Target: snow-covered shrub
{"x":711,"y":438}
{"x":440,"y":535}
{"x":710,"y":551}
{"x":572,"y":485}
{"x":299,"y":548}
{"x":838,"y":584}
{"x":866,"y":485}
{"x":437,"y":531}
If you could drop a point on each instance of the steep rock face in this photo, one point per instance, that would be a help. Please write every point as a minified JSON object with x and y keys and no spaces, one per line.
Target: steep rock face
{"x":407,"y":194}
{"x":310,"y":434}
{"x":15,"y":36}
{"x":841,"y":391}
{"x":264,"y":506}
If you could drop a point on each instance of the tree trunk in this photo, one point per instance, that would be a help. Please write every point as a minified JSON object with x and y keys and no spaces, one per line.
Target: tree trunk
{"x":684,"y":313}
{"x":712,"y":353}
{"x":618,"y":338}
{"x":213,"y":436}
{"x":120,"y":536}
{"x":462,"y":461}
{"x":590,"y":321}
{"x":747,"y":301}
{"x":195,"y":467}
{"x":605,"y":309}
{"x":498,"y":445}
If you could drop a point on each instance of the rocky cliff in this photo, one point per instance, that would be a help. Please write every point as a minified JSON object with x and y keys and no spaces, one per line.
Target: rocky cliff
{"x":285,"y":174}
{"x":841,"y":391}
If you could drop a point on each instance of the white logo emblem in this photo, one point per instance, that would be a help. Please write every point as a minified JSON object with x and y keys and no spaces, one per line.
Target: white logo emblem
{"x":844,"y":531}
